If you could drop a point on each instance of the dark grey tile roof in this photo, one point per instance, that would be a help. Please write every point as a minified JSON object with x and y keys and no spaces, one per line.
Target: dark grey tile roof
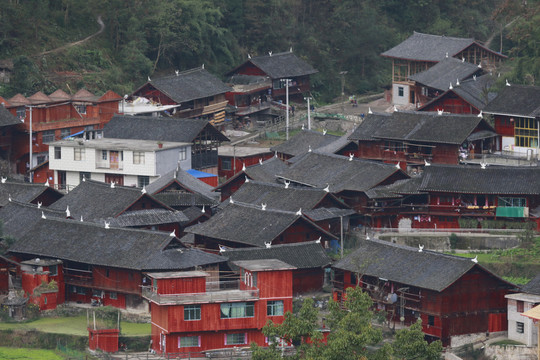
{"x":90,"y":243}
{"x":182,"y":199}
{"x":248,"y":224}
{"x":158,"y":128}
{"x":425,"y":127}
{"x":281,"y":65}
{"x":533,"y":286}
{"x":23,"y":192}
{"x":397,"y":189}
{"x":337,"y":172}
{"x":426,"y":47}
{"x":335,"y":146}
{"x":323,"y":213}
{"x":193,"y":213}
{"x":516,"y":100}
{"x":447,"y":71}
{"x":95,"y":200}
{"x":475,"y":180}
{"x":276,"y":196}
{"x":304,"y":255}
{"x":184,"y":180}
{"x":406,"y":265}
{"x":7,"y":118}
{"x":17,"y":218}
{"x":189,"y":85}
{"x":146,"y":217}
{"x":265,"y":172}
{"x":303,"y":141}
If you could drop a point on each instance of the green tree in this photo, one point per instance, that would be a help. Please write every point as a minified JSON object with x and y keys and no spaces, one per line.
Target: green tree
{"x":410,"y":344}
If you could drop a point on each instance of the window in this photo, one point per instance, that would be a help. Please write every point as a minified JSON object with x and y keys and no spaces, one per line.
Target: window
{"x":237,"y":310}
{"x":226,"y":163}
{"x":520,"y":327}
{"x":138,"y":157}
{"x":189,"y":341}
{"x":113,"y":296}
{"x":431,"y":320}
{"x":192,"y":312}
{"x":274,"y":308}
{"x":278,"y":84}
{"x":182,"y":155}
{"x":526,"y":132}
{"x":84,"y":176}
{"x":64,"y":133}
{"x":236,"y":339}
{"x":81,"y":290}
{"x":104,"y":155}
{"x":107,"y":273}
{"x":512,"y":202}
{"x":401,"y":91}
{"x":53,"y":270}
{"x":81,"y":109}
{"x":78,"y":154}
{"x":45,"y":300}
{"x":21,"y":112}
{"x":41,"y":159}
{"x":47,"y":136}
{"x":520,"y":306}
{"x":143,"y":181}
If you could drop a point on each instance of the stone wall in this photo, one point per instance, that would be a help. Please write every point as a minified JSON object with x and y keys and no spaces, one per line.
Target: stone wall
{"x":510,"y":352}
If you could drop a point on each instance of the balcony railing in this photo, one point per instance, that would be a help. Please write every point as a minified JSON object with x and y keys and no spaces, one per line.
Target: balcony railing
{"x":215,"y":292}
{"x":105,"y":164}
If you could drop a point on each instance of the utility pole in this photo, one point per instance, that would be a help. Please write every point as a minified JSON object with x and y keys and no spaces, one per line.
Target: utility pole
{"x":30,"y":177}
{"x":308,"y":113}
{"x":287,"y":110}
{"x":343,"y":73}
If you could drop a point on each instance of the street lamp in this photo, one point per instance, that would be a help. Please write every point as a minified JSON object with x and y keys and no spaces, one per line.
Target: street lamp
{"x":307,"y":98}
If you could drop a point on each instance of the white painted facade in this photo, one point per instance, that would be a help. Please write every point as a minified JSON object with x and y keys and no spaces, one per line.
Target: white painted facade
{"x":130,"y":159}
{"x":528,"y":332}
{"x":400,"y":94}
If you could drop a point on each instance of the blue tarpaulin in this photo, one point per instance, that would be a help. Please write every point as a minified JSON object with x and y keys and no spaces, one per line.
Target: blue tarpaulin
{"x":199,"y":174}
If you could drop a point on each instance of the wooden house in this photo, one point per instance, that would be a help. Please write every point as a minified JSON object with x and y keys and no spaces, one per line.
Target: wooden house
{"x":233,"y":159}
{"x":192,"y":314}
{"x":28,"y":193}
{"x":301,"y":143}
{"x":180,"y":190}
{"x":276,"y":67}
{"x":454,"y":197}
{"x":420,"y":51}
{"x":347,"y":178}
{"x":244,"y":225}
{"x":413,"y":139}
{"x":198,"y":93}
{"x":108,"y":267}
{"x":522,"y":328}
{"x":444,"y":75}
{"x":516,"y":111}
{"x":454,"y":296}
{"x":55,"y":117}
{"x":264,"y":171}
{"x":203,"y":137}
{"x":469,"y":97}
{"x":309,"y":259}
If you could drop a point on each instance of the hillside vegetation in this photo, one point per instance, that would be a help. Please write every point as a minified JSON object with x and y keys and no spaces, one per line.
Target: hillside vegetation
{"x":141,"y":38}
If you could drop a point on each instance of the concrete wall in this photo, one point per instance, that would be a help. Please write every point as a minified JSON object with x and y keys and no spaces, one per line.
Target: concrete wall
{"x":400,"y":100}
{"x":441,"y":241}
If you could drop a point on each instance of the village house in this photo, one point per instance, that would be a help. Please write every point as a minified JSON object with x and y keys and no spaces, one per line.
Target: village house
{"x":27,"y":193}
{"x":413,"y":139}
{"x":347,"y":178}
{"x":454,"y":296}
{"x":121,"y":161}
{"x":56,"y":116}
{"x":198,"y":94}
{"x":420,"y":52}
{"x":516,"y":111}
{"x":232,"y":158}
{"x":522,"y":328}
{"x":240,"y":225}
{"x":192,"y":314}
{"x":110,"y":269}
{"x":203,"y":137}
{"x":453,"y":197}
{"x":303,"y":142}
{"x":309,"y":258}
{"x":264,"y":171}
{"x":469,"y":97}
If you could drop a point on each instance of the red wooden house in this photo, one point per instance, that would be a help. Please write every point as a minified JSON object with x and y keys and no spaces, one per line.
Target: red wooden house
{"x":454,"y":296}
{"x":421,"y":51}
{"x":198,"y":93}
{"x":301,"y":143}
{"x":192,"y":314}
{"x":43,"y":282}
{"x":55,"y":117}
{"x":104,"y":265}
{"x":28,"y":193}
{"x":413,"y":139}
{"x":232,"y":159}
{"x":276,"y":67}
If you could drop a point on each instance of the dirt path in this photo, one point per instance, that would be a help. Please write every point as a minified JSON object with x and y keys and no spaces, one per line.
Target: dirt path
{"x":101,"y":29}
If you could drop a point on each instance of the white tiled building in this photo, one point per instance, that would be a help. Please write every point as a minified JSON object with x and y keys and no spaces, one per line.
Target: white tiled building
{"x":522,"y":328}
{"x":125,"y":162}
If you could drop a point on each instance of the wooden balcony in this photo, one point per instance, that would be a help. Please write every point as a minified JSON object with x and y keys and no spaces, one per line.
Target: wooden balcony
{"x":215,"y":293}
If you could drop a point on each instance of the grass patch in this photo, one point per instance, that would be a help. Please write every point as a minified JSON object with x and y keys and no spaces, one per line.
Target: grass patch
{"x":506,"y":342}
{"x":73,"y":326}
{"x":28,"y":354}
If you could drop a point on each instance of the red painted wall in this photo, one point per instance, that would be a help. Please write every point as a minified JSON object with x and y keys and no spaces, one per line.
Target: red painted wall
{"x":105,"y":339}
{"x":240,"y":162}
